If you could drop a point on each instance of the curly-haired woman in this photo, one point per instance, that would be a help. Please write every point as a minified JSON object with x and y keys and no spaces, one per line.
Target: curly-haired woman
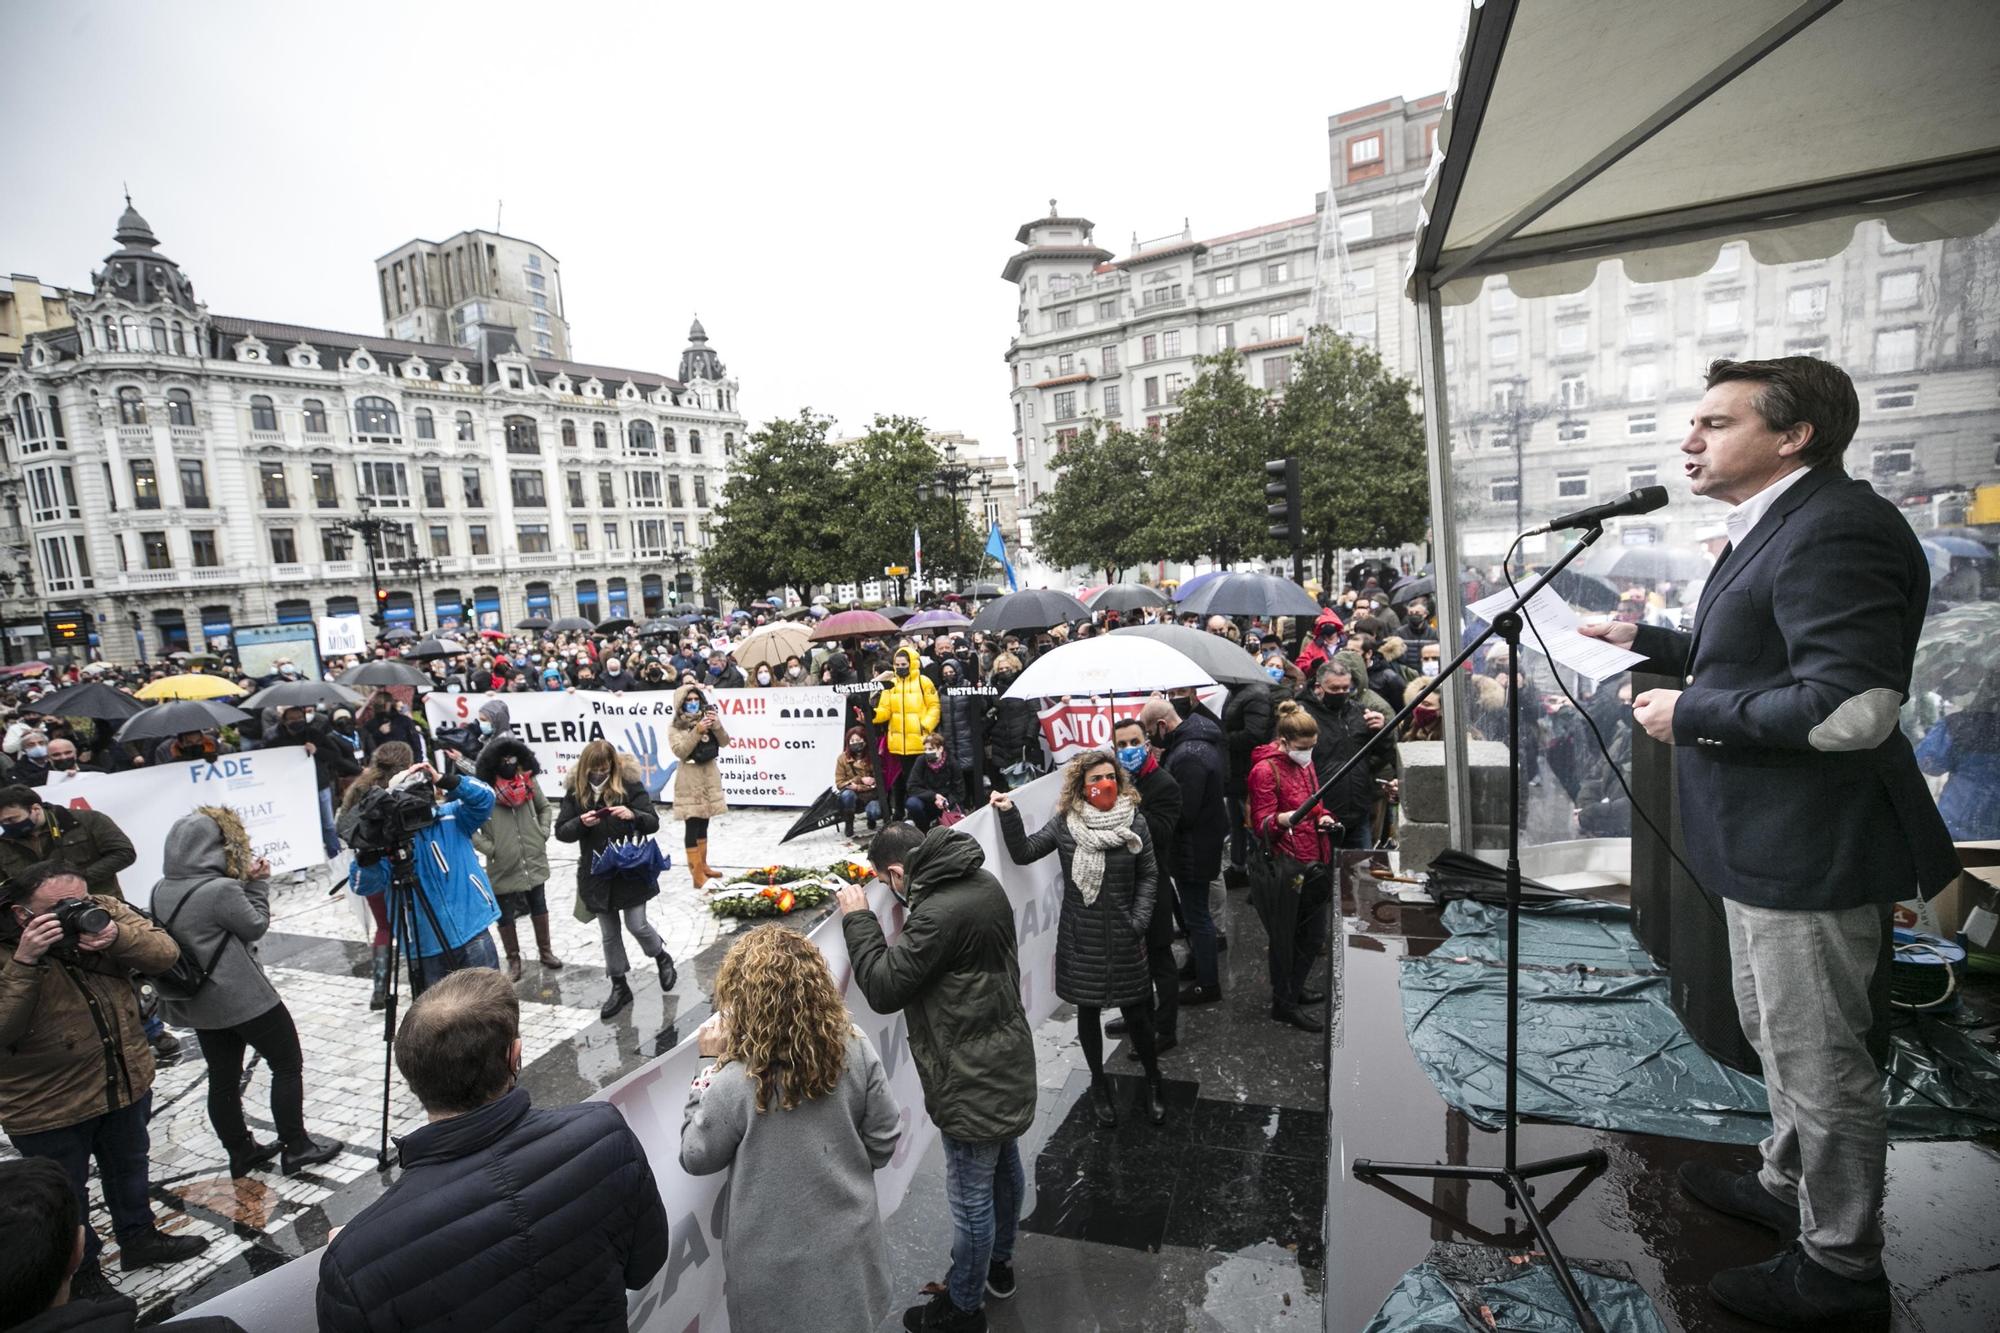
{"x":798,"y":1105}
{"x":1110,"y":880}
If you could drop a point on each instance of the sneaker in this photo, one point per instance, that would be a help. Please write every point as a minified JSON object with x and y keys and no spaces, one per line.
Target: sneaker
{"x":1791,"y":1291}
{"x":999,"y":1280}
{"x":939,"y":1315}
{"x":166,"y":1048}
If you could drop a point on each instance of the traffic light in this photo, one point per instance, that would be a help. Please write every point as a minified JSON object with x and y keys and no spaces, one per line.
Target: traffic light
{"x":465,"y":619}
{"x":1281,"y":495}
{"x":381,"y":616}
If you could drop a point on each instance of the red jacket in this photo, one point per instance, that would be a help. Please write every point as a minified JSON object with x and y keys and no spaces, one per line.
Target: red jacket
{"x":1277,"y":784}
{"x":1310,"y":652}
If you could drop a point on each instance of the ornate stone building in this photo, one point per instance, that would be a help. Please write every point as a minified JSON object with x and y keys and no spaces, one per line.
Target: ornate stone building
{"x":175,"y":473}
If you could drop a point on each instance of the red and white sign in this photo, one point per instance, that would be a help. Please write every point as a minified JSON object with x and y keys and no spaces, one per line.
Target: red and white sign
{"x":1071,"y":726}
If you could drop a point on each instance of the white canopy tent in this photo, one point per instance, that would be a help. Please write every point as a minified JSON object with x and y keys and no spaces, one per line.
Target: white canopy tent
{"x":1584,"y":130}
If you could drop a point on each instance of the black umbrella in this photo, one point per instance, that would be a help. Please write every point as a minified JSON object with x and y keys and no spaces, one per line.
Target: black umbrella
{"x":1123,"y":597}
{"x":685,"y":621}
{"x":615,"y":625}
{"x":896,"y":613}
{"x":434,"y":650}
{"x":823,"y":813}
{"x":1585,"y":590}
{"x":304,"y":694}
{"x":399,"y":635}
{"x":1029,"y":609}
{"x":1417,"y":585}
{"x":573,"y":625}
{"x":659,"y":628}
{"x":534,"y":624}
{"x":1644,"y":564}
{"x":177,"y":717}
{"x":385,"y":673}
{"x":90,"y":699}
{"x":1249,"y":594}
{"x":1221,"y":659}
{"x":986,"y":590}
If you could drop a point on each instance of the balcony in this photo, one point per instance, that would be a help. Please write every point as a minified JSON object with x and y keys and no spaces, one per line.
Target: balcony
{"x":483,"y":561}
{"x":539,"y":560}
{"x":293,"y":573}
{"x":135,"y":435}
{"x":342,"y":569}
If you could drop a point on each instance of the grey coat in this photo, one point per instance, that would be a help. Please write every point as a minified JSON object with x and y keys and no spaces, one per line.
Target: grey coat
{"x":515,"y":839}
{"x":214,"y":910}
{"x":1101,"y":945}
{"x":809,"y":1171}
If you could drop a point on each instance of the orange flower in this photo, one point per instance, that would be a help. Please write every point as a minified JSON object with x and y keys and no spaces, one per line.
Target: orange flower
{"x":785,"y":901}
{"x":767,"y":893}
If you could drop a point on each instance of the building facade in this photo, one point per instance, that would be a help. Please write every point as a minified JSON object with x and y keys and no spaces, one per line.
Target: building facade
{"x":27,"y":306}
{"x":464,"y":289}
{"x":175,"y":473}
{"x":1378,"y":156}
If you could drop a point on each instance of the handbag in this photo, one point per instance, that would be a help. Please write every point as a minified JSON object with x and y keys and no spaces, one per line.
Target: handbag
{"x":632,"y":861}
{"x":952,"y":814}
{"x":185,"y":979}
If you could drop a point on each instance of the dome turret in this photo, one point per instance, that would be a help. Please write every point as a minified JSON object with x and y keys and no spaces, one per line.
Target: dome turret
{"x":137,"y":272}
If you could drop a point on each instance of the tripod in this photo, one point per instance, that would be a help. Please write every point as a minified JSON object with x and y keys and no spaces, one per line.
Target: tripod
{"x":1513,"y":1175}
{"x":406,"y":895}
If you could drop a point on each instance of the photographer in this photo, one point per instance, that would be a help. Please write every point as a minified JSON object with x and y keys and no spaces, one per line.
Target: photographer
{"x":435,"y":816}
{"x":76,"y":1075}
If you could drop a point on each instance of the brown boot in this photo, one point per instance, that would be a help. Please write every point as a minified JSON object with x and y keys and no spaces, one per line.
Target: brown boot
{"x":548,"y":953}
{"x":707,"y":871}
{"x":511,"y":938}
{"x":696,"y":870}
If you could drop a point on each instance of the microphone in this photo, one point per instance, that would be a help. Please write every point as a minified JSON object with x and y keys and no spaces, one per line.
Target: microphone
{"x":1642,"y":501}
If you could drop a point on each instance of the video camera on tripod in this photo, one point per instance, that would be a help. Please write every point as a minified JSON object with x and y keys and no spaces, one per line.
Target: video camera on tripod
{"x":386,"y":818}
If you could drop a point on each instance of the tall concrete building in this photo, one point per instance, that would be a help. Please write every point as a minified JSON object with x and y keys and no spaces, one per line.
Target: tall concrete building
{"x":461,"y":290}
{"x":176,"y":473}
{"x":27,"y":306}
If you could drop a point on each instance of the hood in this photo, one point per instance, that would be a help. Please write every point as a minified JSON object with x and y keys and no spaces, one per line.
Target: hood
{"x":916,"y":661}
{"x":680,"y":697}
{"x":496,"y":712}
{"x":500,"y":747}
{"x":209,"y":841}
{"x":629,"y":772}
{"x":943,"y":856}
{"x":1196,"y":726}
{"x":1330,"y":617}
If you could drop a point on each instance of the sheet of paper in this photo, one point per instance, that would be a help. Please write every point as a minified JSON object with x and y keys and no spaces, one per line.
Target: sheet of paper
{"x":1557,"y":623}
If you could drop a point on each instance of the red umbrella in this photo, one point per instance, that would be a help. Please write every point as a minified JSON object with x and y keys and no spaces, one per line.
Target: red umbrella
{"x":852,"y":625}
{"x":492,"y":634}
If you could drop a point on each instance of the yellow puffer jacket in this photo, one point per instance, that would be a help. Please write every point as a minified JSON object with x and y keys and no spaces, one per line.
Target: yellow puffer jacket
{"x":909,"y":706}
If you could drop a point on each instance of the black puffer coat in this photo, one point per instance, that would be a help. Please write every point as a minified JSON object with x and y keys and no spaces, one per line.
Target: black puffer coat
{"x":506,"y":1218}
{"x":600,"y":895}
{"x":1248,"y":720}
{"x":1195,"y":756}
{"x":1100,"y":946}
{"x":1015,"y":730}
{"x":962,"y":723}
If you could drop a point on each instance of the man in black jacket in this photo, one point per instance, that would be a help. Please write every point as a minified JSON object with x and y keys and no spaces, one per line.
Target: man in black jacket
{"x":1193,"y":751}
{"x":331,"y":759}
{"x":1160,"y":803}
{"x":1344,"y":727}
{"x":505,"y":1217}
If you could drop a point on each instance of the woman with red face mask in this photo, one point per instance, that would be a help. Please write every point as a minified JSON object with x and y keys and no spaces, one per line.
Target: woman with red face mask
{"x":1110,"y":879}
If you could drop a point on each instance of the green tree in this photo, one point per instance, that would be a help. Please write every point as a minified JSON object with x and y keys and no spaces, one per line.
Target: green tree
{"x":1209,"y":485}
{"x":778,"y":524}
{"x":1360,"y":446}
{"x":1095,"y":512}
{"x":883,"y":471}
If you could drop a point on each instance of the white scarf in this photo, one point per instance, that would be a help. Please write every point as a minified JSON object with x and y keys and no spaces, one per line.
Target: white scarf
{"x":1097,"y":832}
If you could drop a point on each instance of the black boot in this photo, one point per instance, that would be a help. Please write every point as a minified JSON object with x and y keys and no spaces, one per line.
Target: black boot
{"x":247,"y":1157}
{"x":152,"y":1247}
{"x":847,"y":823}
{"x":1100,"y":1096}
{"x":88,"y":1283}
{"x":1303,"y":1019}
{"x":306,"y":1152}
{"x":939,"y":1315}
{"x":1791,"y":1291}
{"x":379,"y":963}
{"x":1156,"y":1107}
{"x":668,"y":972}
{"x":621,"y":995}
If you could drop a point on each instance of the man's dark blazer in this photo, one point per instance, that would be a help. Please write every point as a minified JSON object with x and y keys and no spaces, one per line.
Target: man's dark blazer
{"x":1797,"y":788}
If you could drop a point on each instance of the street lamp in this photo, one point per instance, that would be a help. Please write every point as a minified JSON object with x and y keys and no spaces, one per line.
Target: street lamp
{"x":1518,"y":416}
{"x":370,"y":529}
{"x":950,"y":478}
{"x":417,"y":566}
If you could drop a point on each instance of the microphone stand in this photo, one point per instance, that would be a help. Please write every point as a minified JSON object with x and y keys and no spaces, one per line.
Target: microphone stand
{"x":1513,"y":1175}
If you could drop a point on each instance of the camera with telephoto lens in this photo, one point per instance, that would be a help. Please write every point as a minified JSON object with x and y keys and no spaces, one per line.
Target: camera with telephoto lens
{"x":80,"y":917}
{"x":386,"y":818}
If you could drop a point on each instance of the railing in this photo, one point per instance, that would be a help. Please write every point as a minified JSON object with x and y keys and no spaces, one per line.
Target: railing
{"x":290,"y":573}
{"x":484,"y":561}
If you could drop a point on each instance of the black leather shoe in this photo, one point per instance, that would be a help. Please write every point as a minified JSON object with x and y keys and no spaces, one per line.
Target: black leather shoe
{"x":1740,"y":1194}
{"x":1100,"y":1096}
{"x":1303,"y":1019}
{"x":1201,"y":994}
{"x":244,"y":1160}
{"x":307,"y":1153}
{"x":999,"y":1280}
{"x":1116,"y":1027}
{"x":614,"y":1004}
{"x":668,"y":972}
{"x":1791,"y":1291}
{"x":1312,"y":997}
{"x":1156,"y":1107}
{"x":153,"y":1247}
{"x":939,"y":1315}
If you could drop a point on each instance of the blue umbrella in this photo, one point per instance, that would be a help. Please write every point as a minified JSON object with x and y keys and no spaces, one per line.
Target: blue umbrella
{"x":1963,"y":547}
{"x":1193,"y":584}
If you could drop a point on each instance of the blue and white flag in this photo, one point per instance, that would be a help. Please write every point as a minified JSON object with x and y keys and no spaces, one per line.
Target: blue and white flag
{"x":996,"y":546}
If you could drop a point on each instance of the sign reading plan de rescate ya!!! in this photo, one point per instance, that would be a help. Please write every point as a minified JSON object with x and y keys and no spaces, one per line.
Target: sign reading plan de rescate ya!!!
{"x":781,"y":751}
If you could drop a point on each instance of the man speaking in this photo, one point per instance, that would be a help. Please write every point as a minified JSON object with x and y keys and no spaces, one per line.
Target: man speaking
{"x":1804,"y":808}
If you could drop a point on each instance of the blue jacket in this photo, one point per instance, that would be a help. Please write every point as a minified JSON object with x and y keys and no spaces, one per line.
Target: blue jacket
{"x":454,"y":884}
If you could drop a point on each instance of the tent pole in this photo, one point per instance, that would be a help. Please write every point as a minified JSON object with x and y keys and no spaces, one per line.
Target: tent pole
{"x":1444,"y":553}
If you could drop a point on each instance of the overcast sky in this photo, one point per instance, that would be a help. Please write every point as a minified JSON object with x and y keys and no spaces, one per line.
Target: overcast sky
{"x":833,"y":188}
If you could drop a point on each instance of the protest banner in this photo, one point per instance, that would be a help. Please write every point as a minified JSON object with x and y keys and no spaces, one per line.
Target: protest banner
{"x":687,"y":1293}
{"x":782,"y":743}
{"x":343,"y":636}
{"x":274,"y":792}
{"x":1071,"y":726}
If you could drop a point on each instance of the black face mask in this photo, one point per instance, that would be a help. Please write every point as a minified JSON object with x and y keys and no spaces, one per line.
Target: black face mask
{"x":19,"y":828}
{"x":66,"y":765}
{"x":1183,"y":706}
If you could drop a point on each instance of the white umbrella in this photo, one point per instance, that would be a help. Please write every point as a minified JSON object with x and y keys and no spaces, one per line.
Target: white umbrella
{"x":1109,"y":664}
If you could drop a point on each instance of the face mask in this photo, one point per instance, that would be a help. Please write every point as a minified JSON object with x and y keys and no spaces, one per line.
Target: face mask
{"x":311,"y":713}
{"x":854,"y":747}
{"x":1102,"y":794}
{"x":295,"y":728}
{"x":934,"y":757}
{"x":36,"y":751}
{"x":597,"y":780}
{"x":18,"y":828}
{"x":1275,"y":673}
{"x":1133,"y":757}
{"x":902,"y":668}
{"x":796,"y":672}
{"x":763,"y":678}
{"x":485,"y":727}
{"x":1430,"y":666}
{"x":66,"y":765}
{"x":1334,"y":696}
{"x":1303,"y":758}
{"x":691,"y":707}
{"x":1183,"y":707}
{"x":288,"y":670}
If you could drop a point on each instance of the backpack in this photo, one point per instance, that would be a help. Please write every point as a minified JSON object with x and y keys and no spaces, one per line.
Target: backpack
{"x":184,"y":980}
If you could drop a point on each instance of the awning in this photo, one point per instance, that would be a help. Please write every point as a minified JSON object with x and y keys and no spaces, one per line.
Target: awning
{"x":1580,"y":130}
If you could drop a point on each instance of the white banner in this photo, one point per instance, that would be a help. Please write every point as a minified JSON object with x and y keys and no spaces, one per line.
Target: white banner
{"x":687,"y":1293}
{"x":273,"y":791}
{"x":342,"y":636}
{"x":781,"y":751}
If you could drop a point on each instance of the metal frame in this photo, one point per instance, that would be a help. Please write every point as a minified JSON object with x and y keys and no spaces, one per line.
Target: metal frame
{"x":1444,"y":548}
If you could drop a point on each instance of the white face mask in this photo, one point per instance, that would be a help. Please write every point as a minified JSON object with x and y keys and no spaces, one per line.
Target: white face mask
{"x":1430,"y":666}
{"x":763,"y":678}
{"x":1303,"y":758}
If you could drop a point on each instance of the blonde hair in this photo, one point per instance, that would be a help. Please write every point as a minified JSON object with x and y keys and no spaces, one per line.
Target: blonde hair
{"x":787,"y":1026}
{"x":1072,"y":794}
{"x":389,"y":759}
{"x":1295,"y":723}
{"x":594,"y":753}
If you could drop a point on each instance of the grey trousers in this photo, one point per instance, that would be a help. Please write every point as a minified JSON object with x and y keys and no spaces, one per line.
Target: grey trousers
{"x":1801,"y":980}
{"x":649,"y":939}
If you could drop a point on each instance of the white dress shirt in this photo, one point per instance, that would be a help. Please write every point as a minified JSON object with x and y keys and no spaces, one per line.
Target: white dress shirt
{"x":1741,"y":518}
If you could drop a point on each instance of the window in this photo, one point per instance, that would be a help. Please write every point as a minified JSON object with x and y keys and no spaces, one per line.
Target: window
{"x":180,"y":408}
{"x":1503,"y":347}
{"x":263,"y":414}
{"x":644,"y":487}
{"x":1223,"y":284}
{"x":537,"y":282}
{"x":1895,"y":350}
{"x":475,"y":490}
{"x":599,"y":437}
{"x":573,"y":484}
{"x":1505,"y":490}
{"x":522,"y":436}
{"x":1111,"y":360}
{"x":1813,"y":347}
{"x":1572,"y":431}
{"x":1277,"y":371}
{"x":541,"y":302}
{"x":462,"y":427}
{"x":385,"y":483}
{"x":1507,"y":395}
{"x":669,"y":442}
{"x":145,"y":485}
{"x":1642,"y":328}
{"x":1573,"y":484}
{"x":534,"y":538}
{"x":1152,"y":391}
{"x":1899,"y":289}
{"x":284,"y":548}
{"x":694,"y":441}
{"x":1278,"y":270}
{"x":1281,"y":326}
{"x":158,"y":328}
{"x":534,"y":261}
{"x":1066,"y":364}
{"x":377,"y":417}
{"x":1107,"y":309}
{"x":326,"y":492}
{"x":700,"y":491}
{"x":1112,"y":404}
{"x":201,"y":541}
{"x":1642,"y":382}
{"x":1225,"y":336}
{"x":270,"y":476}
{"x":1149,"y":347}
{"x":1065,"y":438}
{"x":568,"y":434}
{"x":1356,"y":227}
{"x":1501,"y":300}
{"x":1359,"y":324}
{"x":52,"y":494}
{"x":1362,"y":280}
{"x":1066,"y":317}
{"x":440,"y":539}
{"x":1895,"y":397}
{"x":194,"y":483}
{"x":1573,"y":393}
{"x":1364,"y":156}
{"x":606,"y":496}
{"x":1642,"y":423}
{"x":333,"y":543}
{"x":1894,"y":460}
{"x":426,"y":424}
{"x":1807,"y":303}
{"x":1572,"y":338}
{"x":1639,"y":475}
{"x":610,"y":536}
{"x":475,"y":539}
{"x":639,"y":436}
{"x":1065,"y":405}
{"x":1728,"y":259}
{"x":1176,"y":386}
{"x":528,"y":490}
{"x":154,"y":544}
{"x":433,"y":487}
{"x":1725,"y":313}
{"x":1500,"y":439}
{"x":579,"y":536}
{"x":680,"y":534}
{"x":132,"y":407}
